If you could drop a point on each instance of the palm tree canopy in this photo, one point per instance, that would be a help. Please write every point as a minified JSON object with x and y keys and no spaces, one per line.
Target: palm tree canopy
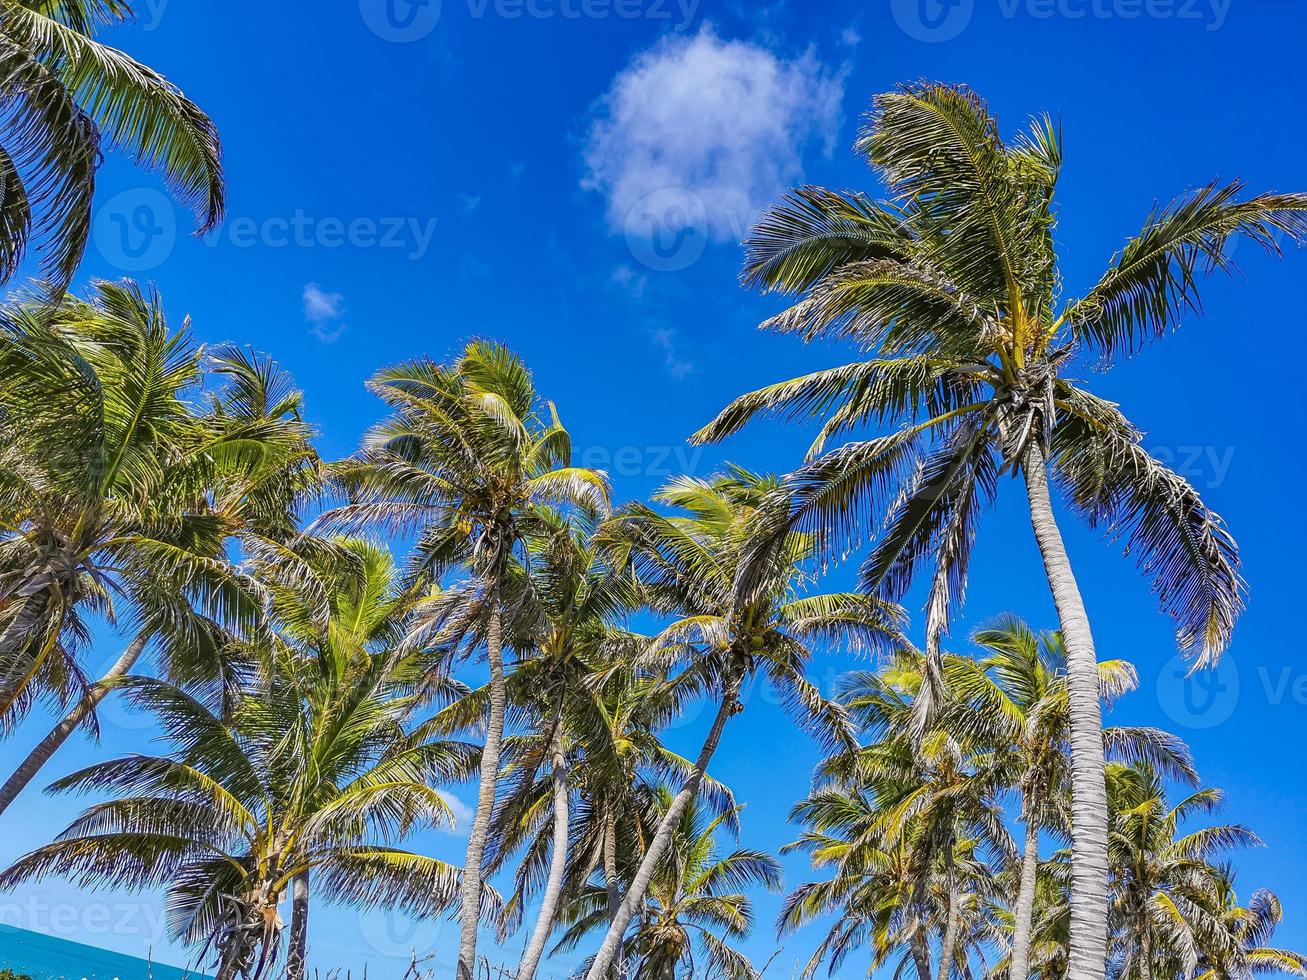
{"x":66,"y":94}
{"x":951,"y":285}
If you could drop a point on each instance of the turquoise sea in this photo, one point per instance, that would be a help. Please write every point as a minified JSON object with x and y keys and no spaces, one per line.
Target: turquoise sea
{"x":46,"y":958}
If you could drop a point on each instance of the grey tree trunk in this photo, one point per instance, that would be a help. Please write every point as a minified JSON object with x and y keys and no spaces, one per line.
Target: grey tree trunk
{"x":1024,"y":909}
{"x":470,"y":917}
{"x":1145,"y":967}
{"x":47,"y":747}
{"x":662,"y":837}
{"x":557,"y":861}
{"x":613,"y":887}
{"x":920,"y":954}
{"x":297,"y":955}
{"x":952,"y":928}
{"x":1088,"y":953}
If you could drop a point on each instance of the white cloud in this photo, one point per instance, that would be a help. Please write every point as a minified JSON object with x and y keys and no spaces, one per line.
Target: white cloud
{"x":630,"y":280}
{"x":677,"y":366}
{"x":724,"y":121}
{"x":323,"y":310}
{"x":463,"y":814}
{"x":321,"y":305}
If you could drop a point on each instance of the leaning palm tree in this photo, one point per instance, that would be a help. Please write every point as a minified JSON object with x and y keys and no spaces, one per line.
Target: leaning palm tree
{"x":314,"y":773}
{"x":252,"y":449}
{"x":464,"y":463}
{"x":695,"y":905}
{"x":952,"y":287}
{"x":689,"y":562}
{"x":116,"y":497}
{"x":1015,"y":698}
{"x":65,"y":94}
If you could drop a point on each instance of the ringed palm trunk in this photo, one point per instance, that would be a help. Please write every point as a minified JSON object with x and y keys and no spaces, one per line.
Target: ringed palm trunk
{"x":41,"y":754}
{"x":476,"y":845}
{"x":557,"y":861}
{"x":1024,"y":910}
{"x":663,"y":837}
{"x":612,"y":887}
{"x":952,"y":928}
{"x":297,"y":953}
{"x":1089,"y":870}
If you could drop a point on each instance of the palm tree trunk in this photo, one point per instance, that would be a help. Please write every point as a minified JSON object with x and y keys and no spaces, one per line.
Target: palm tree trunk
{"x":952,"y":928}
{"x":612,"y":887}
{"x":1145,"y":966}
{"x":476,"y":844}
{"x":297,"y":953}
{"x":47,"y":747}
{"x":920,"y":954}
{"x":557,"y":862}
{"x":1024,"y":910}
{"x":663,"y":836}
{"x":1088,"y":952}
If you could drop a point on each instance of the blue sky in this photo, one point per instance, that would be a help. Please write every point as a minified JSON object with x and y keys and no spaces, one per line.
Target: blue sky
{"x":572,"y":177}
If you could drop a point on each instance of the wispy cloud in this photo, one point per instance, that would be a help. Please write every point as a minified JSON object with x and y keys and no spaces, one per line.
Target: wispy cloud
{"x":463,"y":814}
{"x":469,"y":202}
{"x":323,"y":311}
{"x":726,"y":121}
{"x":665,"y":339}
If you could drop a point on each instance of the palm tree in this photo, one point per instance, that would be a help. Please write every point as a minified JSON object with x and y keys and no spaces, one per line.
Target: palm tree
{"x":695,"y":903}
{"x":952,"y":287}
{"x":66,"y":94}
{"x":1017,"y":693}
{"x":689,"y":563}
{"x":1163,"y":876}
{"x":910,"y":820}
{"x":615,"y":763}
{"x":106,"y":493}
{"x":465,"y":462}
{"x":1251,"y":928}
{"x":317,"y":773}
{"x":258,"y":457}
{"x":567,"y":624}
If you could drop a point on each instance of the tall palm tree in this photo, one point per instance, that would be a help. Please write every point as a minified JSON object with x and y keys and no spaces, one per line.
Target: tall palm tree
{"x":111,"y":488}
{"x":689,"y":562}
{"x":616,"y":763}
{"x":66,"y":94}
{"x":695,"y":903}
{"x":567,"y":622}
{"x":1017,"y":693}
{"x":253,"y":449}
{"x":464,"y":462}
{"x":304,"y":778}
{"x":952,"y":287}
